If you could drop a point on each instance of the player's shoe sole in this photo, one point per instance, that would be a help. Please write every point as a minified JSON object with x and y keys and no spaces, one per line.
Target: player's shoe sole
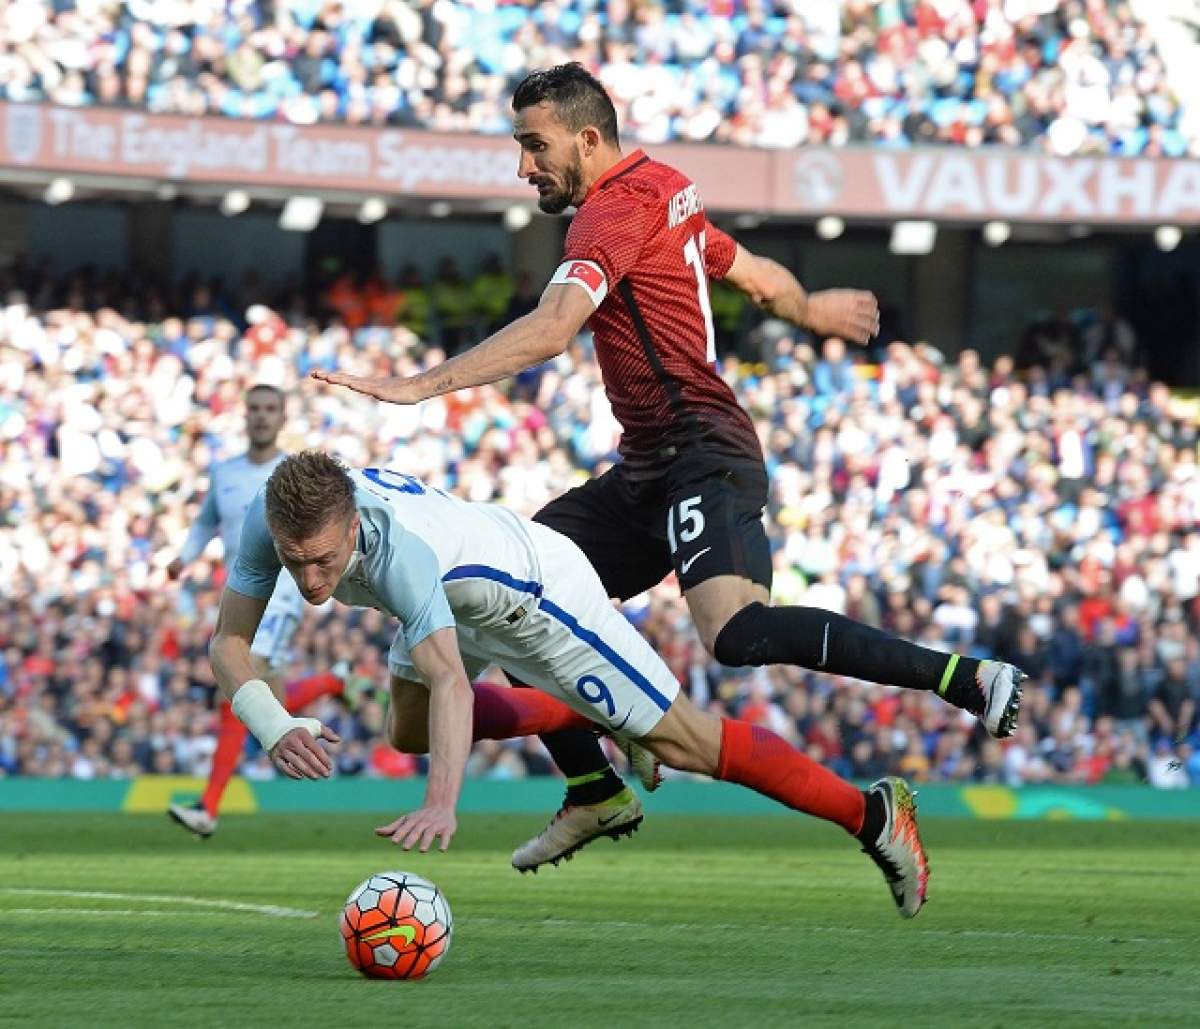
{"x":898,"y":851}
{"x":1003,"y":686}
{"x":575,"y":826}
{"x":644,"y":764}
{"x":195,"y":819}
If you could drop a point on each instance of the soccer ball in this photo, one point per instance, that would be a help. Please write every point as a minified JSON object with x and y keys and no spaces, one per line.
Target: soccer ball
{"x":396,"y":925}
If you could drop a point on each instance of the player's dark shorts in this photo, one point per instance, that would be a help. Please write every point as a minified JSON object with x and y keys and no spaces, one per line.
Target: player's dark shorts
{"x":702,"y":517}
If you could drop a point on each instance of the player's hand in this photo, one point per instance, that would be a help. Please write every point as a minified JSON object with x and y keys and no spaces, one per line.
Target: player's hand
{"x":175,"y":569}
{"x":298,"y":755}
{"x":391,"y":389}
{"x":852,"y":314}
{"x":421,"y":828}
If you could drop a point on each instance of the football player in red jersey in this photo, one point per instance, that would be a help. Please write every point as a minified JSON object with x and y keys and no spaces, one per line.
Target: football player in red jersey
{"x":689,"y":492}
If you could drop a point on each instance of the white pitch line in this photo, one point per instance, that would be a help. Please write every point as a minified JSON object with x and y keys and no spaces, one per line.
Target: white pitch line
{"x":272,"y":910}
{"x":276,"y":911}
{"x":847,"y":930}
{"x":114,"y":912}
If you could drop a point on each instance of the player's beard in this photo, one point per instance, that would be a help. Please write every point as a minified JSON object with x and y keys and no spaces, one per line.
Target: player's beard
{"x":558,"y":200}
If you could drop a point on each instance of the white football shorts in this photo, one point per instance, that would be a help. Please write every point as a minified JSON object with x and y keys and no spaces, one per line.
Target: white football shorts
{"x":564,"y":638}
{"x":282,"y":617}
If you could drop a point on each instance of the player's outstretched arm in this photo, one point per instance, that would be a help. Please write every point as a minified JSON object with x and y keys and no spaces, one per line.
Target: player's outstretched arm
{"x":229,"y":648}
{"x":852,"y":314}
{"x":291,"y":742}
{"x":451,"y":710}
{"x":203,"y":529}
{"x":542,"y":334}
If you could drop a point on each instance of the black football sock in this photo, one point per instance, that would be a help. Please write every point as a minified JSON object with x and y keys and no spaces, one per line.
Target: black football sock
{"x":590,"y":778}
{"x":828,"y":642}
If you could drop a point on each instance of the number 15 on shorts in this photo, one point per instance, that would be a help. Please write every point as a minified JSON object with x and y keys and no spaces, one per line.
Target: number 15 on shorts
{"x":685,"y":522}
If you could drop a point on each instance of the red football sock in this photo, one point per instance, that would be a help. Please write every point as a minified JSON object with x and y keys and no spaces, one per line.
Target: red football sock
{"x":502,"y":713}
{"x":299,"y":694}
{"x":758,"y":758}
{"x":231,"y":741}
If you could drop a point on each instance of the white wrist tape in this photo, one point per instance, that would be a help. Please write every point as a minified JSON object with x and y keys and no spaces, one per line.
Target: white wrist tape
{"x":258,"y":710}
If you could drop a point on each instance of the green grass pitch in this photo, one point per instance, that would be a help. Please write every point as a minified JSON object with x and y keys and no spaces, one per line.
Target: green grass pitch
{"x":696,"y":921}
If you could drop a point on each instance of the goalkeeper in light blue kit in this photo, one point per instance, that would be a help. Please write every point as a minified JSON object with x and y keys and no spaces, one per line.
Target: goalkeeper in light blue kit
{"x":473,"y":585}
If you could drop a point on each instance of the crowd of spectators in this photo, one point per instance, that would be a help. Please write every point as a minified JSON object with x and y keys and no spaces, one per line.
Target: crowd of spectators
{"x":1068,"y":76}
{"x":1046,"y":515}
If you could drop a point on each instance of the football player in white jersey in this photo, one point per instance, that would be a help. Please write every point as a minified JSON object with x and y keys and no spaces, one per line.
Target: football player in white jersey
{"x":232,"y":485}
{"x":473,"y":584}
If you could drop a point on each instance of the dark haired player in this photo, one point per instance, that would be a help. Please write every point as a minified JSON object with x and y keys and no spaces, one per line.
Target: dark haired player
{"x":691,"y":487}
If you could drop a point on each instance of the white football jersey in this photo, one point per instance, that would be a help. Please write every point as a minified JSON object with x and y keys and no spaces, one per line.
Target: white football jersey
{"x":232,"y":485}
{"x":435,"y":562}
{"x":475,"y":547}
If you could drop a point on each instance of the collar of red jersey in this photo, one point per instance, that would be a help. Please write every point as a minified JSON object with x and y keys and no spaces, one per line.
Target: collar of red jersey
{"x":622,"y":165}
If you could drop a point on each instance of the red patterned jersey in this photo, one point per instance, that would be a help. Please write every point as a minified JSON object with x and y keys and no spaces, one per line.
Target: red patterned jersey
{"x":643,"y":248}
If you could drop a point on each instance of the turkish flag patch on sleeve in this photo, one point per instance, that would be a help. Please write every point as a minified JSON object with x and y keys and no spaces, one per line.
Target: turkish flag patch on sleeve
{"x":587,"y":274}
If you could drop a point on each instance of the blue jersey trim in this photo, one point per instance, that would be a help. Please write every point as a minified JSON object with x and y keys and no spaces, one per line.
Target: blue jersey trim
{"x":554,"y":611}
{"x":597,"y":644}
{"x":496,"y":575}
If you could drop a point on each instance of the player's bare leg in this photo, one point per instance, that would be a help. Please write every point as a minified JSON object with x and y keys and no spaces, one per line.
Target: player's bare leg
{"x":739,"y":627}
{"x":883,"y":819}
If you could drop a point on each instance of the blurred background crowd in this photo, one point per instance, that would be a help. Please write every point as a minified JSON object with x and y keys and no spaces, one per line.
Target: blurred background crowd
{"x":1067,"y":76}
{"x":1044,"y":510}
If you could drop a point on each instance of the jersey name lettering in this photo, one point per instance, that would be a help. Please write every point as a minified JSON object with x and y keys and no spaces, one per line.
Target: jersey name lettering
{"x":683,"y":205}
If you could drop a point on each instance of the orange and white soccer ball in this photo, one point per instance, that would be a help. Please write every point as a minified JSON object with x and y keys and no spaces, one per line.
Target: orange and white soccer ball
{"x":396,"y":925}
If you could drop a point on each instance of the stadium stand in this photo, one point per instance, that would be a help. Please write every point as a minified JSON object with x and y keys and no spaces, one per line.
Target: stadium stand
{"x":1066,"y":76}
{"x":1045,"y":510}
